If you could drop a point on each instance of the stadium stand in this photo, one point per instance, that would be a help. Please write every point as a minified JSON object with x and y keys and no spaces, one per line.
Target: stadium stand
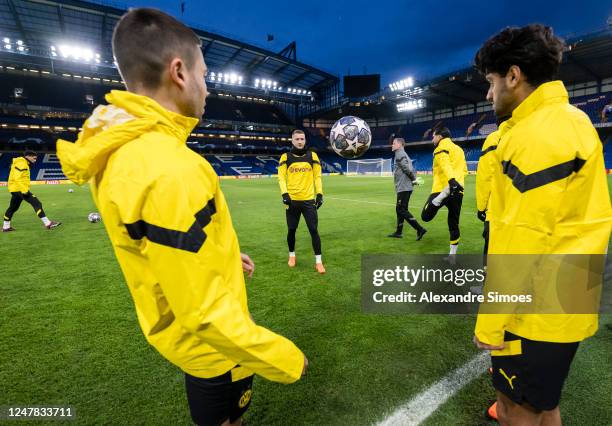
{"x":45,"y":96}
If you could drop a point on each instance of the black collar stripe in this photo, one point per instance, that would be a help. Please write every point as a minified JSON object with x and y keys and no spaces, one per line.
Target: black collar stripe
{"x":440,"y":152}
{"x":489,"y":149}
{"x":524,"y":182}
{"x":191,"y":241}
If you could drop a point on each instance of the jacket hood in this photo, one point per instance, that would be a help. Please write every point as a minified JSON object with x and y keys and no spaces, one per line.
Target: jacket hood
{"x":124,"y":119}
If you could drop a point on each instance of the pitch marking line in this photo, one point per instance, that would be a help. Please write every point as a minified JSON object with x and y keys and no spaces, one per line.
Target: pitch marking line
{"x":359,"y":201}
{"x":423,"y":405}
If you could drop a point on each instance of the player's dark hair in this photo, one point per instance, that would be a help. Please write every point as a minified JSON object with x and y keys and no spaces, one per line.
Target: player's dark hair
{"x":29,"y":154}
{"x":146,"y":40}
{"x":298,"y":132}
{"x":442,"y":131}
{"x":533,"y":48}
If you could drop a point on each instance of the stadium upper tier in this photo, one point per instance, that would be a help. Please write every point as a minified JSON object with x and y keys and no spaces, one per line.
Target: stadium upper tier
{"x":73,"y":37}
{"x":41,"y":92}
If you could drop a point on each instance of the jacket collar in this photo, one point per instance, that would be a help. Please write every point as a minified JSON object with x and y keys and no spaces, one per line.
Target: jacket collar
{"x":552,"y":92}
{"x":144,"y":107}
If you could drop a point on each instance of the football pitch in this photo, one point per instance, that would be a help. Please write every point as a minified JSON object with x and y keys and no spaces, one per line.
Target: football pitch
{"x":69,"y":334}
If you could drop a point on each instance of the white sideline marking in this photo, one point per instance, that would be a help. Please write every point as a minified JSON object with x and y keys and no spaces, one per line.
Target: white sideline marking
{"x":419,"y":408}
{"x":358,"y":201}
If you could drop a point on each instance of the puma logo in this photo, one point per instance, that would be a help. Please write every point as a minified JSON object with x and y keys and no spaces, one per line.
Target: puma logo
{"x":510,"y":379}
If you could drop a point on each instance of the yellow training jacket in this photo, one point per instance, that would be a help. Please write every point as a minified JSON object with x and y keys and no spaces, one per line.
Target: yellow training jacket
{"x":300,"y":175}
{"x":484,"y":172}
{"x":550,"y":197}
{"x":448,"y":162}
{"x":172,"y":233}
{"x":19,"y":176}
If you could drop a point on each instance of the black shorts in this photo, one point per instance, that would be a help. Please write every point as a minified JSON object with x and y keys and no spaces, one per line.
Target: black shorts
{"x":306,"y":208}
{"x":536,"y":373}
{"x":215,"y":400}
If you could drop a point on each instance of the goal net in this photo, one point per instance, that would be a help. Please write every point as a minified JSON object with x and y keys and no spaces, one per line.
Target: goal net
{"x":472,"y":166}
{"x":371,"y":167}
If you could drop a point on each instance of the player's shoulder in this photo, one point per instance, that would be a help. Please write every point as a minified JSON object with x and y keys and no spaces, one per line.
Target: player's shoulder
{"x":283,"y":157}
{"x":150,"y":159}
{"x":492,"y":139}
{"x":314,"y":155}
{"x":445,"y":145}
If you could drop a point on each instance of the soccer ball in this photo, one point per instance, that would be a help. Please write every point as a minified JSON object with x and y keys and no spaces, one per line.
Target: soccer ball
{"x":350,"y":137}
{"x":71,"y":190}
{"x":94,"y":217}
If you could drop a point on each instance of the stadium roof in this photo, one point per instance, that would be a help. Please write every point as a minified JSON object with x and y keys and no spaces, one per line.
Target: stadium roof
{"x":40,"y":24}
{"x":587,"y":58}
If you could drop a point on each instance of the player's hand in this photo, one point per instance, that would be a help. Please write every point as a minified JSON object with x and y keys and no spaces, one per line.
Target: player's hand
{"x":248,"y":265}
{"x":305,"y":366}
{"x":286,"y":199}
{"x":454,"y":186}
{"x":319,"y":201}
{"x":487,"y":347}
{"x":482,"y":215}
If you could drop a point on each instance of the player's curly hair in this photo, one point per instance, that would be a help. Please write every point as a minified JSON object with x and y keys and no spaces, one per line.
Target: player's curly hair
{"x":533,"y":48}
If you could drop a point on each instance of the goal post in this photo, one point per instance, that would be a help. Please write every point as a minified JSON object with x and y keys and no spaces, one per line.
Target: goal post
{"x":369,"y":167}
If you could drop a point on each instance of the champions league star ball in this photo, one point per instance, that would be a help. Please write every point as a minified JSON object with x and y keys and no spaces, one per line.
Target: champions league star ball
{"x":94,"y":217}
{"x":350,"y":137}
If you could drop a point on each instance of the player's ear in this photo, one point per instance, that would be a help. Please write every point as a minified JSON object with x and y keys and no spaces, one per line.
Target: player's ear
{"x":513,"y":76}
{"x":178,"y":72}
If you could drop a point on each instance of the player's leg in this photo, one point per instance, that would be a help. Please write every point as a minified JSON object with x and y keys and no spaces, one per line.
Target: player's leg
{"x":398,"y":215}
{"x":529,"y":380}
{"x":292,"y":213}
{"x":16,"y":199}
{"x":218,"y":400}
{"x":453,"y":203}
{"x":311,"y":217}
{"x":407,"y":216}
{"x":429,"y":209}
{"x":38,"y":209}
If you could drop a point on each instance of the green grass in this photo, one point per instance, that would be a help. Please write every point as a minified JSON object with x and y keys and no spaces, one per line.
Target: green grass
{"x":69,"y":333}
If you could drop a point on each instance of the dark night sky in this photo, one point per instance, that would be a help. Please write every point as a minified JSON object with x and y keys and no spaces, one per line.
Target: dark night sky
{"x":395,"y":38}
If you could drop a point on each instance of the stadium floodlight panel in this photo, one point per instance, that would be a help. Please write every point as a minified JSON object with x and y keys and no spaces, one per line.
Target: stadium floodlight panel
{"x":411,"y":105}
{"x":6,"y":40}
{"x":78,"y":53}
{"x":403,"y":84}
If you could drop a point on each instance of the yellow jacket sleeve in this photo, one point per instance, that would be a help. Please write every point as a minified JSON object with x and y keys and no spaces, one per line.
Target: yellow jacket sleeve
{"x":193,"y":279}
{"x":442,"y":154}
{"x":484,"y":172}
{"x":282,"y":174}
{"x":19,"y":176}
{"x":316,"y":171}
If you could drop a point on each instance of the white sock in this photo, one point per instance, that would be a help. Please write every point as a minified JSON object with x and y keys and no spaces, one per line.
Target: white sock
{"x":45,"y":220}
{"x":441,"y":196}
{"x":318,"y":258}
{"x":291,"y":254}
{"x":6,"y":224}
{"x":453,"y":248}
